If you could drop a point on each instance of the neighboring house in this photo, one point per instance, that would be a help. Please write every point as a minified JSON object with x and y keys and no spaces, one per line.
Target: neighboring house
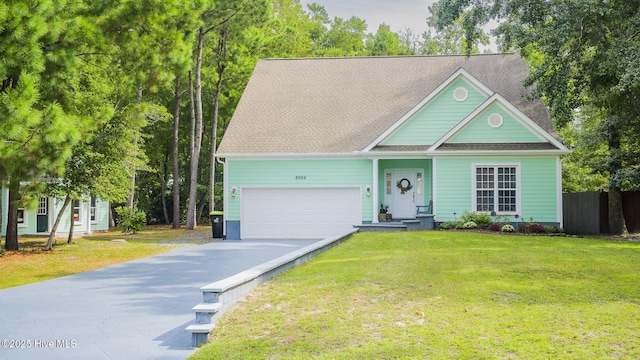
{"x":90,"y":215}
{"x":318,"y":145}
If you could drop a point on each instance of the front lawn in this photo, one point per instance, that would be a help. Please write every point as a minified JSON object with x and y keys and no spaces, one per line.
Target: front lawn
{"x":32,"y":264}
{"x":443,"y":295}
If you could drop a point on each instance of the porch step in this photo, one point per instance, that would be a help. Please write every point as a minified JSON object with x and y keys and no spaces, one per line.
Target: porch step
{"x":386,"y":227}
{"x":412,"y":224}
{"x":421,"y":222}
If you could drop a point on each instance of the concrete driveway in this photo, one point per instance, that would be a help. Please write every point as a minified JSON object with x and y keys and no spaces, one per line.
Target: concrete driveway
{"x":135,"y":310}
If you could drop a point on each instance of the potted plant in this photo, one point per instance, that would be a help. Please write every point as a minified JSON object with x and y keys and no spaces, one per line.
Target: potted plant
{"x":384,"y":215}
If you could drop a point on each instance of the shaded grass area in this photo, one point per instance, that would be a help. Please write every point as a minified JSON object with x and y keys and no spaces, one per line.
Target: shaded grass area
{"x":32,"y":264}
{"x":444,"y":295}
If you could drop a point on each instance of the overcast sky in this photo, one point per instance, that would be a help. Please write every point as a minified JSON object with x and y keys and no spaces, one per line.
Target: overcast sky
{"x":398,"y":14}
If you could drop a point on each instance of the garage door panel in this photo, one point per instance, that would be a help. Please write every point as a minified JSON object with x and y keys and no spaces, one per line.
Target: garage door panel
{"x":299,"y":212}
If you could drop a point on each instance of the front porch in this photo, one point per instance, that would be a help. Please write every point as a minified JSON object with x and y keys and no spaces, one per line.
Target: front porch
{"x":422,"y":221}
{"x":403,"y":190}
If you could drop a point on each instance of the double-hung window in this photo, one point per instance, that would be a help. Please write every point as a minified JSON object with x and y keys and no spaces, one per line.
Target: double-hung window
{"x":496,"y":189}
{"x":77,"y":212}
{"x":93,"y":210}
{"x":22,"y":217}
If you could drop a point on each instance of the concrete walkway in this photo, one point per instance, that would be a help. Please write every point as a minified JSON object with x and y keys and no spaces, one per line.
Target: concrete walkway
{"x":135,"y":310}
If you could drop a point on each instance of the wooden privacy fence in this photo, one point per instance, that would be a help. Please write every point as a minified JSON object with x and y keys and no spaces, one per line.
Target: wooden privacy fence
{"x":588,"y":212}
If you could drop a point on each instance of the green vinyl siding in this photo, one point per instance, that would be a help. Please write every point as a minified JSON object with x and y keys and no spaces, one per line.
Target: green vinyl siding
{"x":298,"y":173}
{"x":438,"y":117}
{"x":424,"y":164}
{"x":102,"y":216}
{"x":479,"y":131}
{"x":538,"y":186}
{"x":541,"y":196}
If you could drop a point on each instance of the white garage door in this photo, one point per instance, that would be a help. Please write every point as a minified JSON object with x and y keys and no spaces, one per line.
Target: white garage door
{"x":299,"y":213}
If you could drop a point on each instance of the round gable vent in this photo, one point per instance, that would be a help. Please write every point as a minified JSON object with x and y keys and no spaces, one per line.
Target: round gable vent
{"x":460,"y":94}
{"x":495,"y":120}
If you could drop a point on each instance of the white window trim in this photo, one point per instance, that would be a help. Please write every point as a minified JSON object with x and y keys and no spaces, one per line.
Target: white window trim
{"x":25,"y":217}
{"x":80,"y":220}
{"x":95,"y":211}
{"x":474,"y":202}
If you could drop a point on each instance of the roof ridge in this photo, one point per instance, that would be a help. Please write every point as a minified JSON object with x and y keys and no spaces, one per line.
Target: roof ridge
{"x":392,"y":56}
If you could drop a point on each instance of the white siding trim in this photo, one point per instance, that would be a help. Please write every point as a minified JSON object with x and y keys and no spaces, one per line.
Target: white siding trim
{"x":434,"y":188}
{"x":559,"y":208}
{"x":375,"y":189}
{"x":225,"y":197}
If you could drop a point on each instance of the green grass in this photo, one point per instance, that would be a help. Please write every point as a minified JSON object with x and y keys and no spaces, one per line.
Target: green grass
{"x":443,"y":295}
{"x":32,"y":264}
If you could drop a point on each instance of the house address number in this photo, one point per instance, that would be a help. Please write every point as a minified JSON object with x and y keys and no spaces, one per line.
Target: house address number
{"x":301,"y":177}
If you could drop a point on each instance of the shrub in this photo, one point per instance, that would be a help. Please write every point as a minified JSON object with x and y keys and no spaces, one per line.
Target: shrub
{"x":448,"y":225}
{"x":530,"y":227}
{"x":494,"y":227}
{"x":131,"y":220}
{"x":536,"y":228}
{"x":502,"y":220}
{"x":470,"y":225}
{"x":507,"y":228}
{"x":481,"y":219}
{"x":554,"y":229}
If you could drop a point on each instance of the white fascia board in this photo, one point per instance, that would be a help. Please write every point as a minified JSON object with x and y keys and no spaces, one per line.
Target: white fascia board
{"x":292,"y":156}
{"x":501,"y":153}
{"x":517,"y":114}
{"x":395,"y":154}
{"x":328,"y":156}
{"x":455,"y":76}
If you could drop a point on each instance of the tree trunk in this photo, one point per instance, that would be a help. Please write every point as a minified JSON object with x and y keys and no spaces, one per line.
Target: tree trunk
{"x":221,"y":55}
{"x":176,"y":158}
{"x":132,"y":192}
{"x":192,"y":110}
{"x":214,"y":139}
{"x":52,"y":235}
{"x":193,"y":186}
{"x":617,"y":224}
{"x":73,"y":223}
{"x":200,"y":212}
{"x":11,"y":238}
{"x":163,"y":188}
{"x":112,"y":217}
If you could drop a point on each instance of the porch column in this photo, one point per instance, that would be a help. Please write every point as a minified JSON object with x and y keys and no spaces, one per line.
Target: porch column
{"x":88,"y":232}
{"x":374,"y":189}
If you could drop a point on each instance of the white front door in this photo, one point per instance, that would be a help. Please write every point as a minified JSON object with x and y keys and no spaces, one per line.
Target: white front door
{"x":406,"y":186}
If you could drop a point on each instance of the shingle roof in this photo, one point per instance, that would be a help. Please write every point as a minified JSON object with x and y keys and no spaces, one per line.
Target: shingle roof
{"x":341,"y":105}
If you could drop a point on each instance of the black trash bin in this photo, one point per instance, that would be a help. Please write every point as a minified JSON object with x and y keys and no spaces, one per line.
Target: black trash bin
{"x":216,"y":224}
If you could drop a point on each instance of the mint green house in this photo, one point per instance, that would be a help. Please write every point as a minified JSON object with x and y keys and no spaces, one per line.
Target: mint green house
{"x":89,"y":215}
{"x":317,"y":146}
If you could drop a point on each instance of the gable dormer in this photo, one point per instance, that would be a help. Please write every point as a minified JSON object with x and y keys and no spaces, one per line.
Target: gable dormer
{"x":438,"y":113}
{"x":496,"y":124}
